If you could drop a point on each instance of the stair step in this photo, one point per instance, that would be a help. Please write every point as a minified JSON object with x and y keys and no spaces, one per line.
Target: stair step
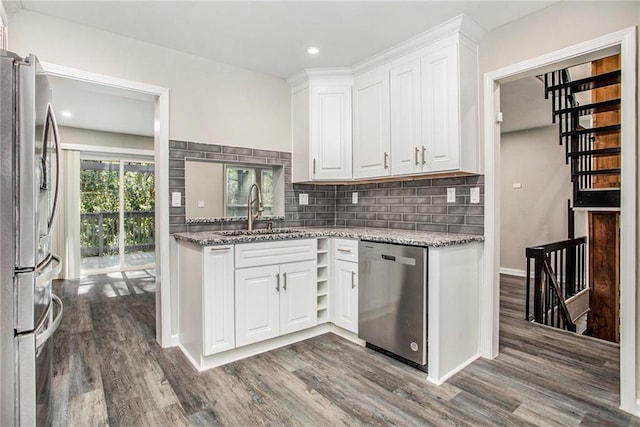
{"x":597,"y":172}
{"x":589,"y":83}
{"x":583,"y":110}
{"x":597,"y":130}
{"x":596,"y":153}
{"x":597,"y":199}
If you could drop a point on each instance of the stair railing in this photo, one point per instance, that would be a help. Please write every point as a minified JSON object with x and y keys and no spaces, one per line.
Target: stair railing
{"x":559,"y":272}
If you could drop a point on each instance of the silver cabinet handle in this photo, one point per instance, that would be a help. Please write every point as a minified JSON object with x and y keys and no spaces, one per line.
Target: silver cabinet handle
{"x":346,"y":251}
{"x":424,"y":155}
{"x":386,"y":160}
{"x":353,"y":279}
{"x":284,"y":278}
{"x":314,"y":166}
{"x":417,"y":156}
{"x":220,"y":248}
{"x":278,"y":282}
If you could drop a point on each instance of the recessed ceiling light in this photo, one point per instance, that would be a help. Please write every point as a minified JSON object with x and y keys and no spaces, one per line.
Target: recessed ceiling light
{"x":313,"y":51}
{"x":66,"y":114}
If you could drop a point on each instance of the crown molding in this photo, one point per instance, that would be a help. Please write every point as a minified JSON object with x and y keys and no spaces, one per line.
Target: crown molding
{"x":319,"y":73}
{"x":458,"y":25}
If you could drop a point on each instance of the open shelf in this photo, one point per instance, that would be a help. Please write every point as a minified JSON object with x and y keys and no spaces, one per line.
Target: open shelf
{"x":323,"y":281}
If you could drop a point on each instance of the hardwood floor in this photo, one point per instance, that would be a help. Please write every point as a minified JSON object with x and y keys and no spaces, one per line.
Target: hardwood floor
{"x":108,"y":370}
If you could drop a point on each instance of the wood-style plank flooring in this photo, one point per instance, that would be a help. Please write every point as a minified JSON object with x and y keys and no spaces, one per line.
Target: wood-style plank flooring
{"x":108,"y":370}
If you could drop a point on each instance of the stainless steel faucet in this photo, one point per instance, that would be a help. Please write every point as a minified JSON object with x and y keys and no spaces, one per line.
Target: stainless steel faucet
{"x":250,"y":202}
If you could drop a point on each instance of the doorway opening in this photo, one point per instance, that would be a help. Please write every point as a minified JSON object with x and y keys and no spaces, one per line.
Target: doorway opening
{"x":623,"y":42}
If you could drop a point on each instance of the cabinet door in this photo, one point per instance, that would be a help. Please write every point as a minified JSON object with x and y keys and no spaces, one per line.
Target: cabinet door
{"x":406,"y":127}
{"x":298,"y":301}
{"x":345,"y":289}
{"x":218,"y":300}
{"x":440,"y":120}
{"x":371,"y":135}
{"x":331,"y":146}
{"x":257,"y":304}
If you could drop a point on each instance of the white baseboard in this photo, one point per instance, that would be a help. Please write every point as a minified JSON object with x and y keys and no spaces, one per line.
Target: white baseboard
{"x":513,"y":272}
{"x":445,"y":377}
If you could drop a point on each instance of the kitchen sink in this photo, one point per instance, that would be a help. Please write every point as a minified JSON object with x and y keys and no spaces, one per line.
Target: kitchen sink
{"x":261,"y":231}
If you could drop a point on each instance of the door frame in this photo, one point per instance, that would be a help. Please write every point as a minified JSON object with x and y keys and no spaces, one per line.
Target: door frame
{"x":623,"y":41}
{"x":161,"y":158}
{"x":121,"y":159}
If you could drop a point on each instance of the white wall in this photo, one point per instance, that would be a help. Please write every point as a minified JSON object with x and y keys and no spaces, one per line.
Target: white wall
{"x":536,"y":213}
{"x":96,"y":138}
{"x":211,"y":102}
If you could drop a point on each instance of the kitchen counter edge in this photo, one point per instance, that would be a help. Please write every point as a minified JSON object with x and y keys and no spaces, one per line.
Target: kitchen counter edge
{"x":410,"y":238}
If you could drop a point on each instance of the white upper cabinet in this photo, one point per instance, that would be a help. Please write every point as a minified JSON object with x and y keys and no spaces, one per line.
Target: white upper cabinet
{"x":407,"y":156}
{"x":440,"y":131}
{"x":415,"y":111}
{"x":371,"y":134}
{"x":321,"y":130}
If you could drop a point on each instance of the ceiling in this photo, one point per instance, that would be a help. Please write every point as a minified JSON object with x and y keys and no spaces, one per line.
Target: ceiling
{"x":104,"y":108}
{"x":273,"y":37}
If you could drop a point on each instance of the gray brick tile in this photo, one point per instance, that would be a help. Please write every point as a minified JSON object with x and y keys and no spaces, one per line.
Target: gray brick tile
{"x":389,"y":200}
{"x":431,"y":227}
{"x":211,"y":148}
{"x":177,"y":145}
{"x":468,"y":229}
{"x":402,"y":225}
{"x":237,"y":150}
{"x":267,"y":154}
{"x":430,"y":209}
{"x":448,"y":219}
{"x":474,"y":220}
{"x":416,"y":218}
{"x":402,"y":192}
{"x":417,"y":183}
{"x":432,"y":191}
{"x":416,"y":200}
{"x":449,"y":182}
{"x":402,"y":209}
{"x":377,"y":224}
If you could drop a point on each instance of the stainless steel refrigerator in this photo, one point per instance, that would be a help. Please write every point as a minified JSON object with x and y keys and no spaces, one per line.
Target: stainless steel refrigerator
{"x":29,"y":188}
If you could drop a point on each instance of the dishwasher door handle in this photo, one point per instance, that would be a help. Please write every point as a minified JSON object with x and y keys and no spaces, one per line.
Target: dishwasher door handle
{"x":398,"y":259}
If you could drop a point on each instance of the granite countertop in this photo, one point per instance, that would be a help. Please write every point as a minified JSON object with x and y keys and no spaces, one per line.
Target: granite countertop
{"x":383,"y":235}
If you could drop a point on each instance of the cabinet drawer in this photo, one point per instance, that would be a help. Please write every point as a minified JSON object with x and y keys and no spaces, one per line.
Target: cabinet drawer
{"x":275,"y":252}
{"x":345,"y":250}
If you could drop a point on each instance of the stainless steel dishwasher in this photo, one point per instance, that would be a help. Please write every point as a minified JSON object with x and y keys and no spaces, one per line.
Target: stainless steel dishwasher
{"x":392,"y":300}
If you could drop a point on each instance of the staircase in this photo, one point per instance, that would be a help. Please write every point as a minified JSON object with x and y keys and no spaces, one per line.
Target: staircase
{"x":587,"y":111}
{"x":590,"y":133}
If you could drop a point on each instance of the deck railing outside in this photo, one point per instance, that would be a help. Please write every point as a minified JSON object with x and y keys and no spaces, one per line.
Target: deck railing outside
{"x":99,"y":232}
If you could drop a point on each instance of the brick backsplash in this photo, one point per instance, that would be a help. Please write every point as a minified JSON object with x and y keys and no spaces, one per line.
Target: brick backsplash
{"x":413,"y":205}
{"x":408,"y":205}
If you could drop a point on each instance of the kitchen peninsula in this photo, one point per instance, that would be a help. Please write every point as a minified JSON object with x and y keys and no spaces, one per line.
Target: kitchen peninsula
{"x":243,"y":292}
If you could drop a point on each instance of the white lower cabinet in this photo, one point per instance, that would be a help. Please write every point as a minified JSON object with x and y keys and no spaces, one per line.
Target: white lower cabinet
{"x":217,"y":300}
{"x":257,"y":304}
{"x":274,"y":300}
{"x":277,"y":299}
{"x":345,"y":301}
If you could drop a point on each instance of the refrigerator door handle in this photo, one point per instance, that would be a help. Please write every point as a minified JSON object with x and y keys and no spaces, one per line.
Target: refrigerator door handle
{"x":43,"y":336}
{"x":52,"y":122}
{"x":44,"y":278}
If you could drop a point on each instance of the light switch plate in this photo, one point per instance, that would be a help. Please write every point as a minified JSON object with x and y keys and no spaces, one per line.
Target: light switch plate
{"x":303,"y":198}
{"x":201,"y":203}
{"x":176,"y":199}
{"x":354,"y":197}
{"x":475,"y":195}
{"x":451,"y":195}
